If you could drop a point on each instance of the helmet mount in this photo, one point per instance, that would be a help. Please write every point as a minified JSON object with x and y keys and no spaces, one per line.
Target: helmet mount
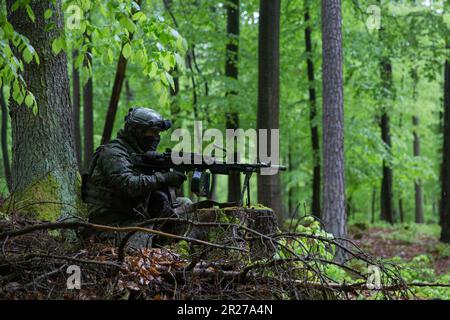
{"x":144,"y":118}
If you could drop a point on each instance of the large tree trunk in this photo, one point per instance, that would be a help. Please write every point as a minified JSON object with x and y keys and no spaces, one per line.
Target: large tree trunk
{"x":315,"y":204}
{"x":334,"y":215}
{"x":44,"y":161}
{"x":88,"y":113}
{"x":231,"y":70}
{"x":76,"y":108}
{"x":445,"y":176}
{"x":4,"y":133}
{"x":269,"y":192}
{"x":416,"y":146}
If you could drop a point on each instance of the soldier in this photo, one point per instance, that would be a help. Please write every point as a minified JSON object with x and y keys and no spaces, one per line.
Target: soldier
{"x":117,"y":193}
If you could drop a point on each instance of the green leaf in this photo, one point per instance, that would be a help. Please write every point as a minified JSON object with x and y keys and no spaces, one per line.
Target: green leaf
{"x":128,"y":24}
{"x":57,"y":45}
{"x":153,"y":69}
{"x":27,"y":55}
{"x":29,"y":100}
{"x":30,"y":13}
{"x":110,"y":55}
{"x":48,"y":14}
{"x":139,"y":16}
{"x":15,"y":6}
{"x":8,"y":29}
{"x":35,"y":109}
{"x":170,"y":79}
{"x":126,"y":51}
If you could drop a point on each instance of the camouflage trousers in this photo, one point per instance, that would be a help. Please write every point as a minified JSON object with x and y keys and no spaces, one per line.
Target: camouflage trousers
{"x":182,"y":209}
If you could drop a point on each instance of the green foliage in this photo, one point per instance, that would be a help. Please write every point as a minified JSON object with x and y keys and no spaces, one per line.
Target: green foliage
{"x":420,"y":270}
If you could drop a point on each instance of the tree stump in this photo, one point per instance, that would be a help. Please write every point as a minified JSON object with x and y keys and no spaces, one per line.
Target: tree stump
{"x":262,"y":220}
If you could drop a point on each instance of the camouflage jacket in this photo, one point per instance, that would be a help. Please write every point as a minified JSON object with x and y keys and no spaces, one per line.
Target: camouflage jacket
{"x":113,"y":188}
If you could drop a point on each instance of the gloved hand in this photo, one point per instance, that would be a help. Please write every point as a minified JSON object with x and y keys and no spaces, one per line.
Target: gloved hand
{"x":171,"y":179}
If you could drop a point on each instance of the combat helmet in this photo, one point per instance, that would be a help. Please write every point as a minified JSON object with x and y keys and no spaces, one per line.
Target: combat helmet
{"x":139,"y":119}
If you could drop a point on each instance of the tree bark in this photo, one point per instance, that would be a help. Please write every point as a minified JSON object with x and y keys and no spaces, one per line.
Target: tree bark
{"x":386,"y":196}
{"x":44,"y":160}
{"x":115,"y":94}
{"x":334,"y":215}
{"x":374,"y":196}
{"x":387,"y":213}
{"x":315,"y":204}
{"x":88,"y":112}
{"x":5,"y":149}
{"x":114,"y":100}
{"x":269,"y":192}
{"x":445,"y":175}
{"x":400,"y":209}
{"x":76,"y":108}
{"x":231,"y":70}
{"x":416,"y":146}
{"x":418,"y":183}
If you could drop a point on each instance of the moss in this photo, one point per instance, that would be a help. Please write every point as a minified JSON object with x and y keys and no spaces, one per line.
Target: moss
{"x":81,"y":207}
{"x":182,"y":248}
{"x":44,"y":200}
{"x":259,"y":207}
{"x":40,"y":200}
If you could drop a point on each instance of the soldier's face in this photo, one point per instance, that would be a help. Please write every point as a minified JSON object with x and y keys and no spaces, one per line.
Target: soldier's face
{"x":151,"y":133}
{"x":149,"y":140}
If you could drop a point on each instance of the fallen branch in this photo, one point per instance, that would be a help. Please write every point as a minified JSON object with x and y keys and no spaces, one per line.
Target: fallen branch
{"x":77,"y":225}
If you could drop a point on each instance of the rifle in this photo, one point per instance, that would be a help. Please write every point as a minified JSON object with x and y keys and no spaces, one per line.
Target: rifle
{"x":201,"y":168}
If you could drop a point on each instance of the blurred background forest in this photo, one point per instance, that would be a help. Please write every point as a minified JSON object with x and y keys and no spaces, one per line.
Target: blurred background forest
{"x":413,"y":39}
{"x":177,"y":60}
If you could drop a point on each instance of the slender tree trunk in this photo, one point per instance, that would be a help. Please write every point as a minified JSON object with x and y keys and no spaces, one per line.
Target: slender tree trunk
{"x":269,"y":192}
{"x":315,"y":204}
{"x":400,"y":209}
{"x":231,"y":70}
{"x":334,"y":215}
{"x":374,"y":198}
{"x":291,"y":189}
{"x":386,"y":196}
{"x":387,"y":210}
{"x":418,"y":184}
{"x":445,"y":175}
{"x":416,"y":146}
{"x":115,"y":94}
{"x":76,"y":108}
{"x":114,"y":100}
{"x":5,"y":149}
{"x":44,"y":161}
{"x":349,"y":207}
{"x":88,"y":113}
{"x":128,"y":93}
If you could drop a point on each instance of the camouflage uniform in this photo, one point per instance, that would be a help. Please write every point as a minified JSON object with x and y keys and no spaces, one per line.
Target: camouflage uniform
{"x":119,"y":194}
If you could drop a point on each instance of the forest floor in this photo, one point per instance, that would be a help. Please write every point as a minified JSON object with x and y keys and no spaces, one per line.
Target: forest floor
{"x":33,"y":266}
{"x":390,"y":242}
{"x":415,"y":247}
